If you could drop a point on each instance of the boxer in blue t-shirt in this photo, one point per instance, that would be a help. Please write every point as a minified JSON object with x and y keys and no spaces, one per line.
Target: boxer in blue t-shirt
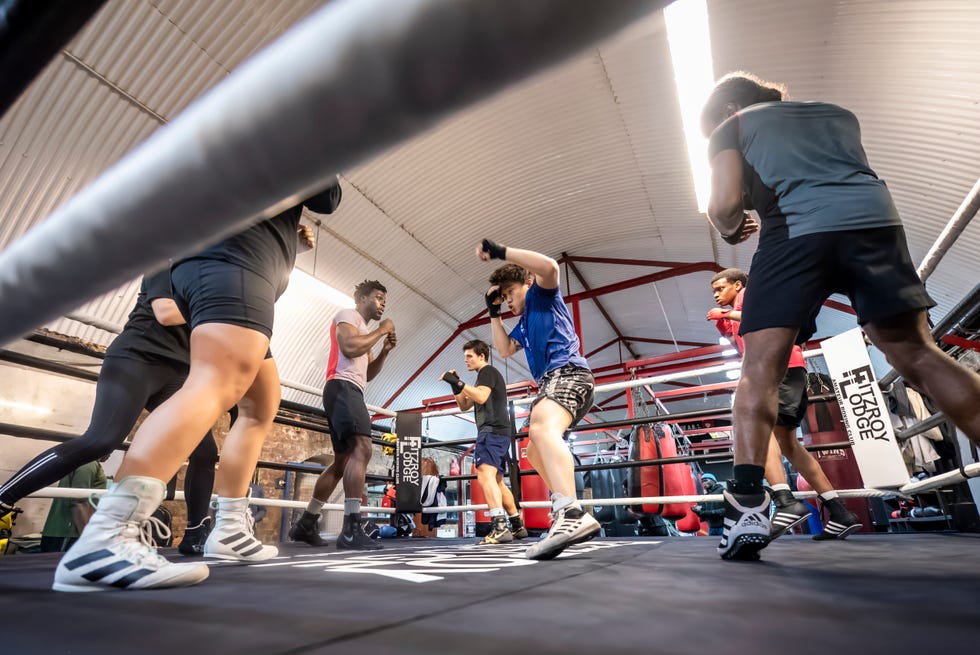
{"x":529,"y":284}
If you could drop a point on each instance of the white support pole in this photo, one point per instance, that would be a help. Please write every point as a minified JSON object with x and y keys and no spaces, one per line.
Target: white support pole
{"x":353,"y":78}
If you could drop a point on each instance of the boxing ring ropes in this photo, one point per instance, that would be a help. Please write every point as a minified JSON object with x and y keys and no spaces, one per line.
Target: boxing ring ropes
{"x":934,"y":482}
{"x":379,"y":72}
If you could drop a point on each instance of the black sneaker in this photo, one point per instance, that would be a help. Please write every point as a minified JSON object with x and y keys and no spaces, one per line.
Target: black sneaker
{"x":841,"y":523}
{"x":353,"y":537}
{"x":747,"y":526}
{"x":517,"y":528}
{"x":570,"y":525}
{"x":499,"y":533}
{"x":789,"y":513}
{"x":192,"y":544}
{"x":307,"y":530}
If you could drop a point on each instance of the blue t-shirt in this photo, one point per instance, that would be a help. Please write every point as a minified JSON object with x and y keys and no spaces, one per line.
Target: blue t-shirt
{"x":546,"y":332}
{"x":805,"y":168}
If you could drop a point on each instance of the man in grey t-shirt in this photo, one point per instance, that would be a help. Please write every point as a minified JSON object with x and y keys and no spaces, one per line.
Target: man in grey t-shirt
{"x":828,"y":226}
{"x":351,"y":364}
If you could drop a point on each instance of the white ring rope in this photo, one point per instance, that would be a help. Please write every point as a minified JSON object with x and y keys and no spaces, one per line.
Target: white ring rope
{"x":65,"y":492}
{"x":353,"y":78}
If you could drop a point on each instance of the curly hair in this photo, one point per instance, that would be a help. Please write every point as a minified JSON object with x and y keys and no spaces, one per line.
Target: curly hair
{"x":366,"y":287}
{"x":509,"y":274}
{"x":743,"y":89}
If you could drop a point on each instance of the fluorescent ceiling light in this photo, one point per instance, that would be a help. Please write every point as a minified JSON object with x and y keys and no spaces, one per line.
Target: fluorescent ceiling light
{"x":690,"y":52}
{"x":303,"y":284}
{"x":733,"y":374}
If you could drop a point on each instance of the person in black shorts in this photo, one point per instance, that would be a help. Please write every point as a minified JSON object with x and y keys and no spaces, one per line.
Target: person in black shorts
{"x":488,"y":400}
{"x":227,"y":293}
{"x":143,"y":366}
{"x":350,"y":365}
{"x":829,"y":225}
{"x":729,"y":288}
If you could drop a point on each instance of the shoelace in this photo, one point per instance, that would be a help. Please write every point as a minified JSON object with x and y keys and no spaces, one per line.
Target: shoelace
{"x":142,"y":550}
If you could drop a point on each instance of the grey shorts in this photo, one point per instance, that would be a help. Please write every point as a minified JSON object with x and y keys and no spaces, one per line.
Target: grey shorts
{"x":570,"y":386}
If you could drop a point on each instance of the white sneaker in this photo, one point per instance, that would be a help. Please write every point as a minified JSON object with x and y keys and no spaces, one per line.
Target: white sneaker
{"x":115,"y":550}
{"x":570,"y":525}
{"x":747,"y":526}
{"x":233,"y":536}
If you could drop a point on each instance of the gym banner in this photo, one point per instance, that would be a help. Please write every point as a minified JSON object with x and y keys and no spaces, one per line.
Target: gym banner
{"x":408,"y":462}
{"x":869,"y":428}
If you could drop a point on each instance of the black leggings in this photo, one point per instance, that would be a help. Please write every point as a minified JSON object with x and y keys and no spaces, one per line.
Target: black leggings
{"x":125,"y":388}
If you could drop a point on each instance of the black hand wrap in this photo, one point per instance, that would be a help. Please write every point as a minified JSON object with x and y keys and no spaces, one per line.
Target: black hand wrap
{"x":453,"y":381}
{"x":493,"y":307}
{"x":736,"y":237}
{"x":495,"y":250}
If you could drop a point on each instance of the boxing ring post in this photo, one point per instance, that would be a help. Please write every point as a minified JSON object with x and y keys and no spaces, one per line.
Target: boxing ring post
{"x":353,"y":78}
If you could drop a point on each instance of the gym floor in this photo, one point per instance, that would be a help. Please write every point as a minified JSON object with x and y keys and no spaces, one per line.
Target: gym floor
{"x":884,"y":593}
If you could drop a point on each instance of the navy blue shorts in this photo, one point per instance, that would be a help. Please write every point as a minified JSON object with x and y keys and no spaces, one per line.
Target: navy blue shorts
{"x":347,"y":413}
{"x":212,"y":291}
{"x":791,"y":278}
{"x":491,"y":449}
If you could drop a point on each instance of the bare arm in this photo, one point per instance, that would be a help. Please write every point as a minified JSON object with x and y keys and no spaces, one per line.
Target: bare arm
{"x":725,"y":209}
{"x":506,"y":346}
{"x":375,"y":363}
{"x":545,"y":269}
{"x":354,"y":345}
{"x":478,"y":395}
{"x":166,"y":312}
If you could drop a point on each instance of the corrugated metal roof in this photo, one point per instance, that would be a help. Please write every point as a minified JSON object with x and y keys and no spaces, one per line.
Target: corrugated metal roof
{"x":588,"y":158}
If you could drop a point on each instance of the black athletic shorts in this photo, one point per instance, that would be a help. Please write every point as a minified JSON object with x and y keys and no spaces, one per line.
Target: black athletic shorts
{"x":570,"y":386}
{"x":348,"y":415}
{"x":793,"y":398}
{"x":213,"y":291}
{"x":791,"y":278}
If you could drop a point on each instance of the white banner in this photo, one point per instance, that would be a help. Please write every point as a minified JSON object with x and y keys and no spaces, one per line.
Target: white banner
{"x":865,"y":414}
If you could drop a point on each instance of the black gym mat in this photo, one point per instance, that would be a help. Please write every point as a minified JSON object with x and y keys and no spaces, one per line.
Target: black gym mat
{"x":871,"y":594}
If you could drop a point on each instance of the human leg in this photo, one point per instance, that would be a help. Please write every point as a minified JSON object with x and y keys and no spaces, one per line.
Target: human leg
{"x":233,"y":535}
{"x":908,"y":345}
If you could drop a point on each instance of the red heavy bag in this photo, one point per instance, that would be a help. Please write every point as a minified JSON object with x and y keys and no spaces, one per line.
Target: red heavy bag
{"x":823,"y":424}
{"x":533,"y":488}
{"x":690,"y":522}
{"x":657,"y":442}
{"x":477,"y":497}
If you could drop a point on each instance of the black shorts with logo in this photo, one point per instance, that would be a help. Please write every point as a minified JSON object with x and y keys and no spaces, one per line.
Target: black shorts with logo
{"x":570,"y":386}
{"x":791,"y":278}
{"x":347,"y":413}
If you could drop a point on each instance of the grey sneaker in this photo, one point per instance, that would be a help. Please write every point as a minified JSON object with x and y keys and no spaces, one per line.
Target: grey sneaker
{"x":570,"y":525}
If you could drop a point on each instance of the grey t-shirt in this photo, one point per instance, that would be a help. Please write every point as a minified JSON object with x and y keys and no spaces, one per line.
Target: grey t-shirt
{"x":338,"y":366}
{"x":805,"y":168}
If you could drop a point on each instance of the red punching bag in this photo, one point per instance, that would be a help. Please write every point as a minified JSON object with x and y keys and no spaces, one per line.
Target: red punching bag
{"x":477,"y":497}
{"x":657,"y":442}
{"x":533,"y":488}
{"x":823,"y":424}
